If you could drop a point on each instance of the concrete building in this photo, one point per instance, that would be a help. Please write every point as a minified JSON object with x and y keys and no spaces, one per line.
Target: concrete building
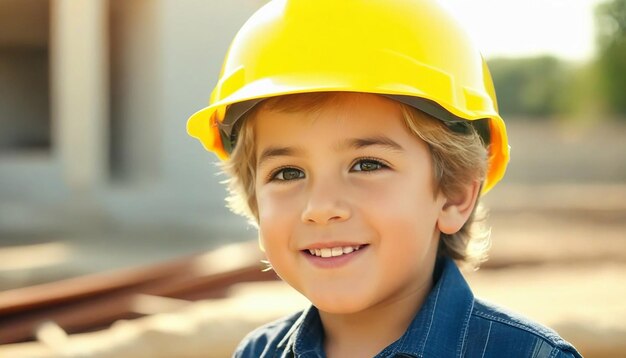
{"x":94,"y":97}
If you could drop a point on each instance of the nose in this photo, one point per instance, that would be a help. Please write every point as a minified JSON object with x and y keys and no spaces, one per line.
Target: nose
{"x":326,"y":203}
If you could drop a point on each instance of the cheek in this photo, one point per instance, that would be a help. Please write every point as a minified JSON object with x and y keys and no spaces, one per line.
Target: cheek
{"x":406,"y":198}
{"x":409,"y":240}
{"x":277,"y":222}
{"x":405,"y":214}
{"x":278,"y":214}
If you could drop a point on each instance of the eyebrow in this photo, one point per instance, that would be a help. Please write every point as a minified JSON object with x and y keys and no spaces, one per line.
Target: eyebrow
{"x":352,"y":143}
{"x":380,"y":140}
{"x":272,"y":152}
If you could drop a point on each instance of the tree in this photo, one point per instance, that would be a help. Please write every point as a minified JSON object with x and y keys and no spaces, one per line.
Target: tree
{"x":531,"y":87}
{"x":611,"y":60}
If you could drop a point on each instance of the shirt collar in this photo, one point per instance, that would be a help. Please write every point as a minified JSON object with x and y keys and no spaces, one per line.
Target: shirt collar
{"x":439,"y":329}
{"x":305,"y":338}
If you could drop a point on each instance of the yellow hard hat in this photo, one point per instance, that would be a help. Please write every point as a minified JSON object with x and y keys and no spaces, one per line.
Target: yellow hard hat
{"x":410,"y":50}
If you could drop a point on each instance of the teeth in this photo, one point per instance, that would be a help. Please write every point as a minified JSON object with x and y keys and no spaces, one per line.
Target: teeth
{"x":335,"y":251}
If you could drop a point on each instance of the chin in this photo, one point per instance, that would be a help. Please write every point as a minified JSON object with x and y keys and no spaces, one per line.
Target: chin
{"x":337,"y":305}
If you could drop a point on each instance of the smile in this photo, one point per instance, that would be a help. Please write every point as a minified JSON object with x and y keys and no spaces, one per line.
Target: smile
{"x":334,"y":251}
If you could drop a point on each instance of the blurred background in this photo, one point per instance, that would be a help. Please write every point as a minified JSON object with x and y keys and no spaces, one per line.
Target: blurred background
{"x":101,"y":189}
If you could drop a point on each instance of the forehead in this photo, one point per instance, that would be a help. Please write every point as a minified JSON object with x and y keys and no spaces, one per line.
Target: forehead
{"x":339,"y":115}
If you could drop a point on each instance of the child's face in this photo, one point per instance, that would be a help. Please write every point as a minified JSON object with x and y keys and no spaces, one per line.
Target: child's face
{"x":348,"y":176}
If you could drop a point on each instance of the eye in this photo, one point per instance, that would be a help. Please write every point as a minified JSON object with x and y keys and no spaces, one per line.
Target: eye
{"x":368,"y":165}
{"x":286,"y":174}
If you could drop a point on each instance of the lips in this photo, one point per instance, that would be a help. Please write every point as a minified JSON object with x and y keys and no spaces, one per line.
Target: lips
{"x":333,"y":255}
{"x":332,"y":249}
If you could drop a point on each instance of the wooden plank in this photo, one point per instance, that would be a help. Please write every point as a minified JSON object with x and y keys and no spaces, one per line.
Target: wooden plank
{"x":95,"y":301}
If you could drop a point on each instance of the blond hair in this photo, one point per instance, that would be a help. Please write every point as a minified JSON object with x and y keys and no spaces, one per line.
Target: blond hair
{"x":458,"y":159}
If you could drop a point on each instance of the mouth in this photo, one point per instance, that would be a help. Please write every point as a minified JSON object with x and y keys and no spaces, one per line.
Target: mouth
{"x":328,"y":252}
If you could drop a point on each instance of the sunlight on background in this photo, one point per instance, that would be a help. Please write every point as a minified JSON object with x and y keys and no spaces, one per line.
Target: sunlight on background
{"x":563,"y":28}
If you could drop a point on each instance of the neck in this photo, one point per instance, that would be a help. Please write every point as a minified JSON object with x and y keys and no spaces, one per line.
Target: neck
{"x":360,"y":335}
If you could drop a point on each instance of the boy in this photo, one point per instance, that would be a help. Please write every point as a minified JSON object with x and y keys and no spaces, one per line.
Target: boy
{"x":359,"y":135}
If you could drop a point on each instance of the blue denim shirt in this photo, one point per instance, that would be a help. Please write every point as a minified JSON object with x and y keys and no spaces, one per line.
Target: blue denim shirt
{"x":450,"y":323}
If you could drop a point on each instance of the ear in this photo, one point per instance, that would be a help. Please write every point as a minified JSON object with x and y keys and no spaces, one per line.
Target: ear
{"x":456,"y":210}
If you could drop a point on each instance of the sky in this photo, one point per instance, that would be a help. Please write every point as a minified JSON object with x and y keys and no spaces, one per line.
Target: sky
{"x":513,"y":28}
